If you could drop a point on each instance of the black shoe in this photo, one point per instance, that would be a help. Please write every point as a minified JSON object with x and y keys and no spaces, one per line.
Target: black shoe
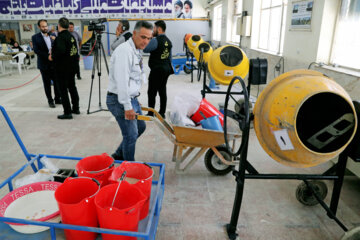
{"x":52,"y":105}
{"x":65,"y":116}
{"x":116,"y":157}
{"x":79,"y":78}
{"x":58,"y":101}
{"x":75,"y":111}
{"x":150,"y":114}
{"x":163,"y":115}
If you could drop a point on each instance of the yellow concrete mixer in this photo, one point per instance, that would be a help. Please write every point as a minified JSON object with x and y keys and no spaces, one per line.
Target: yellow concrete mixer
{"x":206,"y":49}
{"x":227,"y":62}
{"x":194,"y":41}
{"x":303,"y":118}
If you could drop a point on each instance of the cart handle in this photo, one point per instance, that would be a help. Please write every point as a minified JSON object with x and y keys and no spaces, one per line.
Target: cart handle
{"x":158,"y":116}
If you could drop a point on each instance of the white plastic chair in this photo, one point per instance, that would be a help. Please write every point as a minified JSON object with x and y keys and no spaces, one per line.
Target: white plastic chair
{"x":20,"y":63}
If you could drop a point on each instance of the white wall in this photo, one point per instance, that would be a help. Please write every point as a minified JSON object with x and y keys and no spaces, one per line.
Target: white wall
{"x":302,"y":47}
{"x":175,"y":31}
{"x":28,"y":35}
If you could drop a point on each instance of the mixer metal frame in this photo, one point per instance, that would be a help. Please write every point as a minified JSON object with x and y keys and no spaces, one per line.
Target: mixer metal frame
{"x":247,"y":171}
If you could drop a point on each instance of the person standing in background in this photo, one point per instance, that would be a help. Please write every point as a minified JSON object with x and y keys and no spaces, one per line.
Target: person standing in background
{"x":42,"y":46}
{"x":122,"y":34}
{"x":66,"y":61}
{"x":160,"y":65}
{"x":77,"y":37}
{"x":2,"y":37}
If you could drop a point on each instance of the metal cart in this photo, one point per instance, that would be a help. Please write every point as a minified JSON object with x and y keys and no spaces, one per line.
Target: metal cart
{"x":147,"y":227}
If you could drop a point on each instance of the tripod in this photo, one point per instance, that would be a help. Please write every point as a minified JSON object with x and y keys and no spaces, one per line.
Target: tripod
{"x":98,"y":50}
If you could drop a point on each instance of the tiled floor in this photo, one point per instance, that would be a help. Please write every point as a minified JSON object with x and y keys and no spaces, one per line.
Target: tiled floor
{"x":197,"y":204}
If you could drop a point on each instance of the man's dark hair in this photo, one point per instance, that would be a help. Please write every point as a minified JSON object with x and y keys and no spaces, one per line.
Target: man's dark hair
{"x":64,"y":22}
{"x":143,"y":24}
{"x":188,"y":3}
{"x":71,"y":23}
{"x":41,"y":20}
{"x":161,"y":24}
{"x":126,"y":24}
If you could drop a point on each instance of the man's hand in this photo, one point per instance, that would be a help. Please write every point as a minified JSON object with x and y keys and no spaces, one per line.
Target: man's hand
{"x":130,"y":114}
{"x":50,"y":58}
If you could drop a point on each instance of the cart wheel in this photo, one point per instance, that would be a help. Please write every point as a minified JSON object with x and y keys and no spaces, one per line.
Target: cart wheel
{"x":187,"y":70}
{"x":214,"y":164}
{"x":353,"y":234}
{"x":304,"y":195}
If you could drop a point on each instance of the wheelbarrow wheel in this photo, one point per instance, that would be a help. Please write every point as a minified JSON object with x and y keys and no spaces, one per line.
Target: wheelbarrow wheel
{"x":305,"y":196}
{"x":187,"y":70}
{"x":352,"y":234}
{"x":214,"y":164}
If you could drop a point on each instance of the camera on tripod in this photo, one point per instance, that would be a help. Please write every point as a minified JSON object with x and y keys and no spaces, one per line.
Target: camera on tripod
{"x":97,"y":25}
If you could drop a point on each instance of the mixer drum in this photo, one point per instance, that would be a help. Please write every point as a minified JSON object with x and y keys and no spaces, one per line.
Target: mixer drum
{"x":303,"y":118}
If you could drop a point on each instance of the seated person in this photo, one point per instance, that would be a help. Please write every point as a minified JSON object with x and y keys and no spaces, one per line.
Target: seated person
{"x":19,"y":49}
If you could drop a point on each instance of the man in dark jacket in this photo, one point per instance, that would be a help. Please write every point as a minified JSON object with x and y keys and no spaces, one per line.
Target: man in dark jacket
{"x":2,"y":37}
{"x":66,"y":59}
{"x":42,"y":46}
{"x":160,"y":65}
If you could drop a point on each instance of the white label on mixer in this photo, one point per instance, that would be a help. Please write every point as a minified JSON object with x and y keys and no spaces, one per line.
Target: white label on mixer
{"x":283,"y":139}
{"x":228,"y":73}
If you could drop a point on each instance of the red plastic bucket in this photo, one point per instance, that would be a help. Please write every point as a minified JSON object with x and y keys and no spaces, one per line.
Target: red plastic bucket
{"x":208,"y":110}
{"x":124,"y":214}
{"x":138,"y":174}
{"x":75,"y":198}
{"x":97,"y":166}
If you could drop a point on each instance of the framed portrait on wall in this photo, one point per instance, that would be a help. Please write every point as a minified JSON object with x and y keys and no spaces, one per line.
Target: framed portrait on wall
{"x":301,"y":15}
{"x":27,"y":27}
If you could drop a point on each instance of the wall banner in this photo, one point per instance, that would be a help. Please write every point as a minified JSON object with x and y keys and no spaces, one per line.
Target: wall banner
{"x":83,"y":9}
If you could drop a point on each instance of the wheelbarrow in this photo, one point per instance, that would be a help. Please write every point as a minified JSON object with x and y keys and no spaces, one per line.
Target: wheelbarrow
{"x":186,"y":139}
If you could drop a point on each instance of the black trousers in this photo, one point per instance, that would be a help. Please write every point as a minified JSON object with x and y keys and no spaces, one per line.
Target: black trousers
{"x":78,"y":70}
{"x":157,"y":84}
{"x":48,"y":75}
{"x":67,"y":85}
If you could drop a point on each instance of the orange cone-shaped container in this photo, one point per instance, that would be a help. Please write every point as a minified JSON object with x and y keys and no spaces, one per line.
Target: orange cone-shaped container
{"x":124,"y":214}
{"x":140,"y":175}
{"x":97,"y":166}
{"x":75,"y":198}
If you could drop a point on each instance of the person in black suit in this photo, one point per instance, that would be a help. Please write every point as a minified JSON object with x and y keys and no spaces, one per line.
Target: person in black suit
{"x":42,"y":47}
{"x":66,"y":60}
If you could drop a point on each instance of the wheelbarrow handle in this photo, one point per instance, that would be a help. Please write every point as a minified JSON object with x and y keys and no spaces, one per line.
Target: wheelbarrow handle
{"x":144,"y":118}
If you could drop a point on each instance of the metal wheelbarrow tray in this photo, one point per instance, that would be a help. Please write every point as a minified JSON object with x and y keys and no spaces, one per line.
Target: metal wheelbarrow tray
{"x":186,"y":139}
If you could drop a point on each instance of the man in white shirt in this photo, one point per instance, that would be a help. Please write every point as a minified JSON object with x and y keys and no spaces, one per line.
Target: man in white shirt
{"x":125,"y":79}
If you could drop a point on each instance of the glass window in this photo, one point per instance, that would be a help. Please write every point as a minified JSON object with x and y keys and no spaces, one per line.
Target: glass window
{"x":347,"y":36}
{"x":216,"y":26}
{"x":272,"y":25}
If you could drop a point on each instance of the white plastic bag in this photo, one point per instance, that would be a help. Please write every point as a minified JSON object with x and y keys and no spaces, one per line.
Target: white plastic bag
{"x":40,"y":176}
{"x":184,"y":105}
{"x":49,"y":165}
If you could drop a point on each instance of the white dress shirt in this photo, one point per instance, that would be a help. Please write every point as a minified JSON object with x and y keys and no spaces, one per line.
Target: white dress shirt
{"x":126,"y":73}
{"x":47,"y":40}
